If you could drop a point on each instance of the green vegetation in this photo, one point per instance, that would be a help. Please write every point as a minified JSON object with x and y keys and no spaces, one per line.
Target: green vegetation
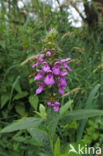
{"x":28,"y":127}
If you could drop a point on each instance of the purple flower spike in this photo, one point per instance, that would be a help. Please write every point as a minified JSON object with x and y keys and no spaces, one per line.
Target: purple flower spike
{"x":62,"y":81}
{"x":49,"y":80}
{"x":45,"y":67}
{"x":48,"y":54}
{"x":41,"y":87}
{"x":39,"y":76}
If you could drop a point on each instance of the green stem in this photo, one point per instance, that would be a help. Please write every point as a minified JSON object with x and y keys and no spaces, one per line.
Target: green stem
{"x":51,"y":144}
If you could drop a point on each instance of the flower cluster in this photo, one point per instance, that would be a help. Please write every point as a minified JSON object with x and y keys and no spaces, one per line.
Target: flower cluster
{"x":49,"y":75}
{"x":55,"y":105}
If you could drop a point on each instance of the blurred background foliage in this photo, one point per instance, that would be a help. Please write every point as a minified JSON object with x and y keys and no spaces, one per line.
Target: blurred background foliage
{"x":22,"y":30}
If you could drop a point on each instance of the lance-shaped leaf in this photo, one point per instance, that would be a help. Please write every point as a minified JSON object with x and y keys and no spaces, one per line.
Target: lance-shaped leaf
{"x":24,"y":123}
{"x":82,"y":114}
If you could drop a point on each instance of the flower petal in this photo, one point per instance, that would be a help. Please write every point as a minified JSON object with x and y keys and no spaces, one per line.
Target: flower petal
{"x":49,"y":80}
{"x":48,"y":54}
{"x":56,"y":108}
{"x":39,"y":90}
{"x":62,"y":81}
{"x":45,"y":67}
{"x":50,"y":104}
{"x":56,"y":69}
{"x":57,"y":103}
{"x":66,"y":66}
{"x":61,"y":91}
{"x":63,"y":73}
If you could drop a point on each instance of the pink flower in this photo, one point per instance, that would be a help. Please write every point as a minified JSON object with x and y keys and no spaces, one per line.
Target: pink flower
{"x":36,"y":64}
{"x":66,"y":66}
{"x":48,"y":54}
{"x":56,"y":68}
{"x":39,"y":76}
{"x":61,"y":91}
{"x":56,"y":108}
{"x":63,"y":73}
{"x":45,"y":67}
{"x":55,"y":105}
{"x":49,"y":80}
{"x":41,"y":87}
{"x":50,"y":104}
{"x":65,"y":60}
{"x":40,"y":59}
{"x":62,"y":81}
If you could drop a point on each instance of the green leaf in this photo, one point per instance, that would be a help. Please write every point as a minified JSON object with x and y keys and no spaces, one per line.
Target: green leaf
{"x":82,"y":114}
{"x":8,"y":70}
{"x":52,"y":121}
{"x":17,"y":87}
{"x":42,"y":111}
{"x":12,"y":90}
{"x":64,"y":155}
{"x":33,"y":100}
{"x":4,"y":100}
{"x":26,"y":140}
{"x":20,"y":109}
{"x":89,"y":105}
{"x":20,"y":95}
{"x":57,"y":148}
{"x":65,"y":107}
{"x":92,"y":94}
{"x":24,"y":123}
{"x":39,"y":135}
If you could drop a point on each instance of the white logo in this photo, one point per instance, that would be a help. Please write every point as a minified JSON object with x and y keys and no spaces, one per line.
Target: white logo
{"x":72,"y":149}
{"x":84,"y":150}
